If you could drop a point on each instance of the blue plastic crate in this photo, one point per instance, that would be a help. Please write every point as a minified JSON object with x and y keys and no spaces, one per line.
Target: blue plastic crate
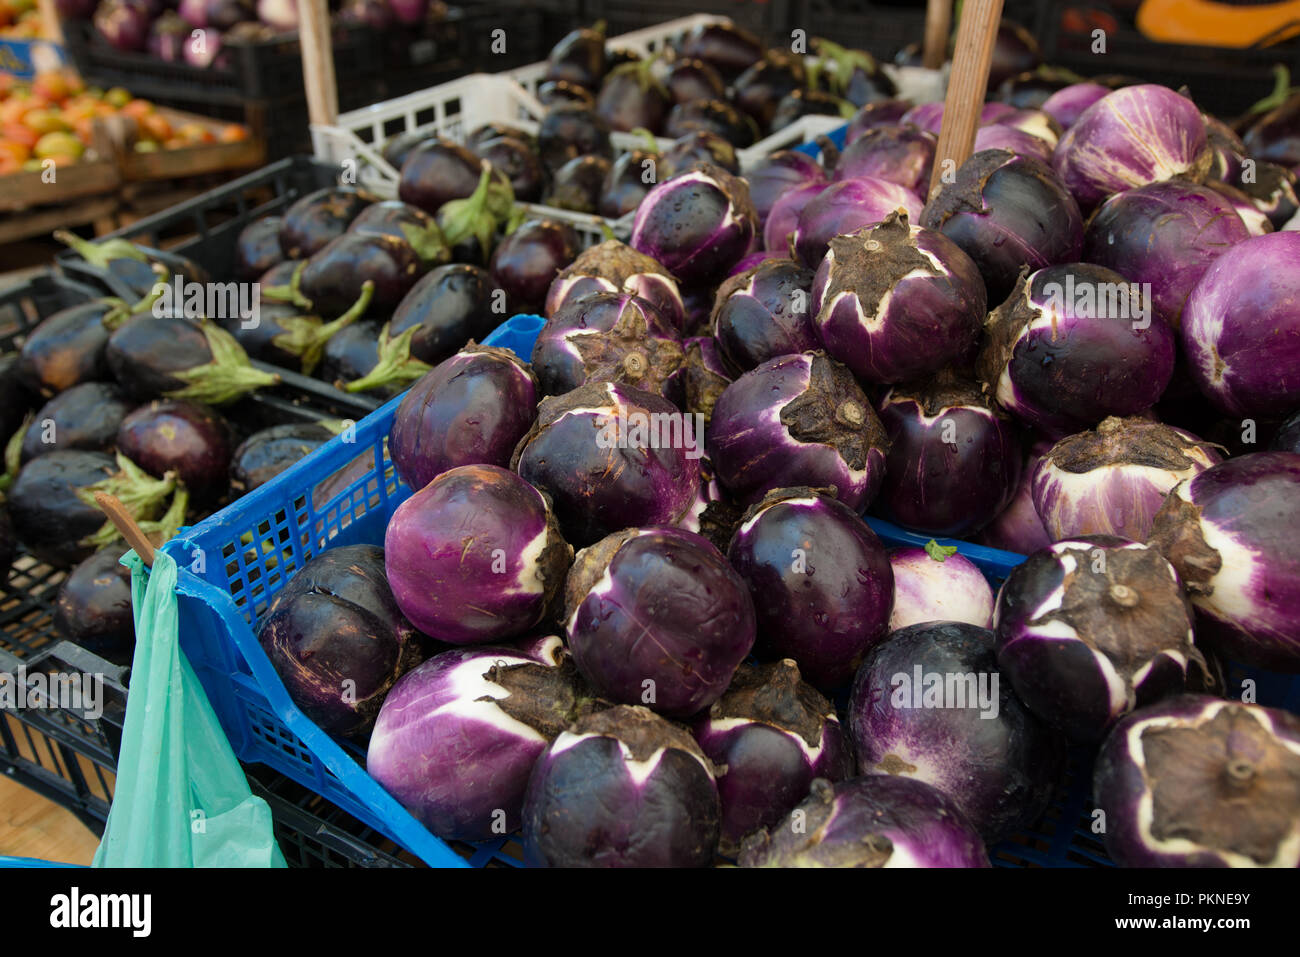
{"x":233,"y":563}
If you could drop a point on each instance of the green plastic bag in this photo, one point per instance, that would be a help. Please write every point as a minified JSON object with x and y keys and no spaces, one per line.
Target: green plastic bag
{"x":181,"y":798}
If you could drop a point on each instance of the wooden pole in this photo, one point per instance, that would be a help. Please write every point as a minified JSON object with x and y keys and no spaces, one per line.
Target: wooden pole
{"x":51,"y":29}
{"x":119,"y":516}
{"x":318,"y":61}
{"x":976,"y":35}
{"x":938,"y":22}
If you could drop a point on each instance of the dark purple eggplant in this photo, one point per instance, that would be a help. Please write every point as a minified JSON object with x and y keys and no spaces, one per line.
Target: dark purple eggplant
{"x":569,"y":131}
{"x":291,"y":335}
{"x":713,"y":116}
{"x":311,"y":222}
{"x":1275,"y":136}
{"x":554,"y":92}
{"x":67,"y":348}
{"x":15,"y":396}
{"x":1014,"y":52}
{"x":698,"y":147}
{"x":495,"y":131}
{"x":579,"y":58}
{"x":93,"y":609}
{"x":578,"y":184}
{"x":334,"y":276}
{"x":397,"y":149}
{"x":1031,"y":89}
{"x":519,"y":162}
{"x":47,"y":514}
{"x":450,"y":306}
{"x":632,"y":98}
{"x":853,"y":75}
{"x":436,"y":172}
{"x":265,"y":454}
{"x":617,"y":56}
{"x":626,"y":183}
{"x":84,"y":417}
{"x":692,"y":79}
{"x":803,"y":103}
{"x":351,"y":354}
{"x":155,"y":357}
{"x":729,"y":49}
{"x":281,"y":275}
{"x":407,"y":223}
{"x":338,"y":639}
{"x":257,"y":248}
{"x":527,"y":261}
{"x":191,"y":440}
{"x":761,"y":87}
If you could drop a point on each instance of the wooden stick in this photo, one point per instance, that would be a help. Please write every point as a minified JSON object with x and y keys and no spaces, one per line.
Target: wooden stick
{"x":119,"y":516}
{"x":976,"y":35}
{"x":318,"y":62}
{"x":938,"y":21}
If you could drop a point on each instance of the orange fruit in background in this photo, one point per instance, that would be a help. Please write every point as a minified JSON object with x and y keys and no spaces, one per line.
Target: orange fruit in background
{"x":233,"y":133}
{"x":138,"y":108}
{"x":154,"y":126}
{"x":14,"y":151}
{"x":53,"y":86}
{"x":9,"y":165}
{"x":17,"y":133}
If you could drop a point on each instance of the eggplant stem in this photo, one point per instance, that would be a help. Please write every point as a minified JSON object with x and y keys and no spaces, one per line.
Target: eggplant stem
{"x":226,"y":377}
{"x":1124,"y":596}
{"x":14,"y":452}
{"x":395,"y":364}
{"x":307,"y":338}
{"x":291,"y":293}
{"x":1240,"y":772}
{"x":100,"y":255}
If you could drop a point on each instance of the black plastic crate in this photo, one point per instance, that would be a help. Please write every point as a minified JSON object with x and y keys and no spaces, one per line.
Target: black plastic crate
{"x":769,"y":19}
{"x":1222,"y":81}
{"x":879,"y":29}
{"x":263,"y":70}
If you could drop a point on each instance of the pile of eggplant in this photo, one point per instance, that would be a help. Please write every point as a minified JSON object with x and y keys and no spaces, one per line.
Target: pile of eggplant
{"x":111,"y":396}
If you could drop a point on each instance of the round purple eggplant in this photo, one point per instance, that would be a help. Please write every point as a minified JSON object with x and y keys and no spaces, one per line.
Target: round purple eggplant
{"x":631,"y":97}
{"x":1017,"y":528}
{"x":896,"y":302}
{"x":93,"y":609}
{"x":997,"y":136}
{"x":629,"y":179}
{"x":475,"y":556}
{"x":954,"y":458}
{"x":694,"y":148}
{"x":611,"y":457}
{"x":334,"y":275}
{"x":569,"y":131}
{"x":1166,"y":235}
{"x":84,"y":417}
{"x":458,"y":735}
{"x":1090,"y":628}
{"x":1200,"y":782}
{"x":690,"y":78}
{"x":257,"y":248}
{"x":728,"y":48}
{"x":607,"y":337}
{"x":1241,"y":328}
{"x":179,"y":359}
{"x":1134,"y":136}
{"x":622,"y":788}
{"x":579,"y":58}
{"x":1113,"y":480}
{"x":776,"y":175}
{"x":407,"y":224}
{"x":518,"y":161}
{"x":472,"y":409}
{"x":798,"y":419}
{"x":876,"y":820}
{"x":1073,"y":345}
{"x":191,"y":440}
{"x":935,"y":583}
{"x":437,"y":171}
{"x":578,"y":184}
{"x":265,"y":454}
{"x":1228,"y":532}
{"x":527,"y":261}
{"x":769,"y":736}
{"x":450,"y":306}
{"x":48,"y":515}
{"x":764,"y":313}
{"x":310,"y":223}
{"x":1067,"y":104}
{"x":697,"y":224}
{"x":615,"y":267}
{"x":820,"y":582}
{"x":929,"y":704}
{"x":844,"y":207}
{"x":656,"y":617}
{"x":898,"y":154}
{"x":123,"y":24}
{"x":1005,"y":212}
{"x":338,"y":639}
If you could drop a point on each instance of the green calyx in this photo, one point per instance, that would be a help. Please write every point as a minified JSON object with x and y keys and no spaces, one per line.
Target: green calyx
{"x":462,"y":219}
{"x":939,"y":553}
{"x":842,"y":63}
{"x":121,"y":310}
{"x":651,"y":144}
{"x":227,"y":377}
{"x":429,"y":243}
{"x":306,"y":336}
{"x":169,"y":525}
{"x":291,"y":293}
{"x":140,"y":493}
{"x":100,"y":254}
{"x":395,"y":367}
{"x":1282,"y":91}
{"x":14,"y":453}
